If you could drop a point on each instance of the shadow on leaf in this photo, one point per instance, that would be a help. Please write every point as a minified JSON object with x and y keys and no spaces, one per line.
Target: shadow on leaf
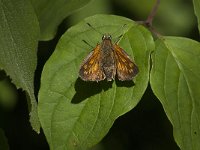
{"x":124,"y":83}
{"x":86,"y":89}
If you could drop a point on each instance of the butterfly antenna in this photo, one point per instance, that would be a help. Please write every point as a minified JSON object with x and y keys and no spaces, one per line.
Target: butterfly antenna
{"x":120,"y":28}
{"x":94,"y":28}
{"x":118,"y":39}
{"x":87,"y":43}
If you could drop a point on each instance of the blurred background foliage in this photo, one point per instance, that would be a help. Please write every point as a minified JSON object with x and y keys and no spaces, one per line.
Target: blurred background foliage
{"x":174,"y":17}
{"x":146,"y":127}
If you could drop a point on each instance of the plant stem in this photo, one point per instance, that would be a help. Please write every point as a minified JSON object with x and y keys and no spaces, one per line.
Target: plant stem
{"x":152,"y":14}
{"x":149,"y":20}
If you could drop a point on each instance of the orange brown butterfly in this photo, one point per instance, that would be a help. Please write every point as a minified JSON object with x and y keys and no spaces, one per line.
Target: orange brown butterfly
{"x":106,"y":61}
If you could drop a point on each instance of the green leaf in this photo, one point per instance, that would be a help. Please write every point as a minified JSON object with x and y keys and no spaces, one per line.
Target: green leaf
{"x":76,"y":114}
{"x":175,"y":81}
{"x":3,"y":141}
{"x":51,"y":13}
{"x":19,"y":32}
{"x":196,"y":4}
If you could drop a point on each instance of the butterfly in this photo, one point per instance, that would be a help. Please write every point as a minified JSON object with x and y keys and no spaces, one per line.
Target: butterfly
{"x":106,"y":61}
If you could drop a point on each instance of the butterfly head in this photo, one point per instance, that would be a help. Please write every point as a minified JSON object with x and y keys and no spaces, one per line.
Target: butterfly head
{"x":106,"y":37}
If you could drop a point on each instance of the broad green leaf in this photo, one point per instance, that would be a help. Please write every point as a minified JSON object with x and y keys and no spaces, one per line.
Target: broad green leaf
{"x":76,"y":114}
{"x":175,"y":81}
{"x":19,"y":32}
{"x":52,"y":12}
{"x":196,"y":4}
{"x":3,"y":141}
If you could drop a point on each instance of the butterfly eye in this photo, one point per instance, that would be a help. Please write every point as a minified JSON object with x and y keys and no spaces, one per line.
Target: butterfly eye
{"x":103,"y":37}
{"x":106,"y":37}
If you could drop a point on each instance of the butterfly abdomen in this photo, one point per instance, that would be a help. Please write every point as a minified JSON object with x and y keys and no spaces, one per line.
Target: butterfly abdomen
{"x":108,"y":60}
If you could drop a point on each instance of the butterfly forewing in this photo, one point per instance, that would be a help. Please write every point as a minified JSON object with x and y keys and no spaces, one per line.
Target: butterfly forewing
{"x":125,"y":67}
{"x":91,"y":69}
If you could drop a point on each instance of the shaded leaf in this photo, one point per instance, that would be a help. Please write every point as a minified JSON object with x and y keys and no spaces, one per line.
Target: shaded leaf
{"x":196,"y":4}
{"x":3,"y":141}
{"x":175,"y":81}
{"x":92,"y":8}
{"x":76,"y":114}
{"x":19,"y":31}
{"x":51,"y":13}
{"x":8,"y":93}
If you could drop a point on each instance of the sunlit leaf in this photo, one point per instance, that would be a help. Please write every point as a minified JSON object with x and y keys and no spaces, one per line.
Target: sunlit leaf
{"x":175,"y":81}
{"x":76,"y":114}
